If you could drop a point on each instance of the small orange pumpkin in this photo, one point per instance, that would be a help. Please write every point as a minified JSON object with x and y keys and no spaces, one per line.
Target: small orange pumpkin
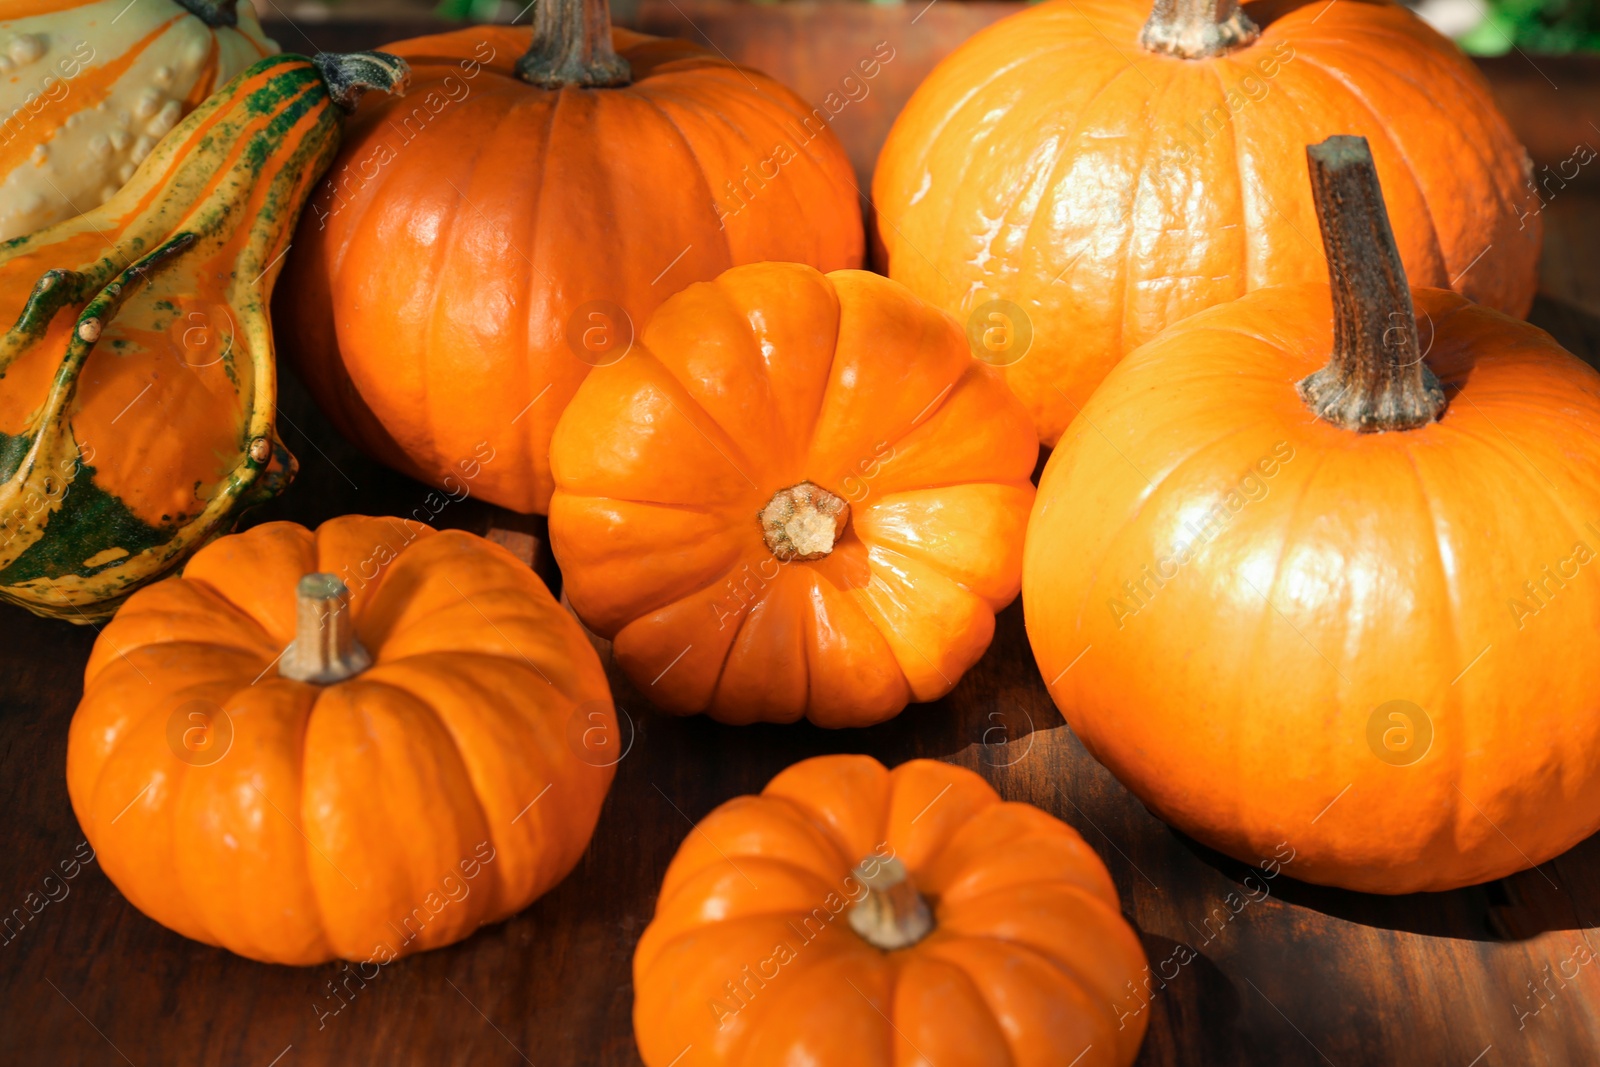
{"x":853,"y":915}
{"x":472,"y":255}
{"x":359,"y":742}
{"x":800,"y":495}
{"x":1108,"y":173}
{"x":1275,"y":623}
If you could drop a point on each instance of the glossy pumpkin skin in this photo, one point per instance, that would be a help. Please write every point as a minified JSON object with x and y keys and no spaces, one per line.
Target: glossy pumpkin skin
{"x":770,"y":376}
{"x":87,"y":89}
{"x":139,"y":393}
{"x":446,"y":259}
{"x":1025,"y":966}
{"x":340,"y":810}
{"x":1124,"y":190}
{"x":1287,"y":579}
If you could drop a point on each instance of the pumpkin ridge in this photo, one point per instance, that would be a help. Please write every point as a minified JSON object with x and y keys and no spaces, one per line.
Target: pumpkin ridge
{"x":1395,"y":146}
{"x":1246,"y":193}
{"x":373,"y":676}
{"x":1140,"y":164}
{"x":652,"y":101}
{"x":1078,"y":982}
{"x":1108,"y":916}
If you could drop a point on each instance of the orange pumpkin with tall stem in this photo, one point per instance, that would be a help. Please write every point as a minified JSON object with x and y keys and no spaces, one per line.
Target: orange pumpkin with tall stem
{"x":1301,"y":575}
{"x":1109,"y":167}
{"x":472,"y":255}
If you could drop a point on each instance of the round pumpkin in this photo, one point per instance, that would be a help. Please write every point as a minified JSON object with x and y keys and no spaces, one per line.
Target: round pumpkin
{"x":1355,"y":615}
{"x":357,"y":742}
{"x":474,"y":253}
{"x":799,"y":495}
{"x":88,"y":88}
{"x":1107,"y":180}
{"x":850,"y":914}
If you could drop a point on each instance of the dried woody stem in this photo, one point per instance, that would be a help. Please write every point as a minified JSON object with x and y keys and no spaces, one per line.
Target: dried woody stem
{"x":893,"y":914}
{"x":1197,"y":29}
{"x":325,"y":648}
{"x":572,"y":46}
{"x":1376,"y":379}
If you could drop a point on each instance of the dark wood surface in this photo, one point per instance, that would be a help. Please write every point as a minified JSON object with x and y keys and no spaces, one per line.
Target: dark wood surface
{"x":1307,"y":976}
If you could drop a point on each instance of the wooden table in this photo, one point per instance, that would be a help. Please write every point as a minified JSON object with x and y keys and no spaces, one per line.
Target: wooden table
{"x":1307,"y":976}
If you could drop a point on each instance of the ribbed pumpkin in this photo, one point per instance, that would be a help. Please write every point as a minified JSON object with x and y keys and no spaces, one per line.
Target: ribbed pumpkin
{"x":1382,"y":648}
{"x":852,"y":915}
{"x":357,"y":743}
{"x":87,"y":89}
{"x":476,"y":250}
{"x":800,"y":495}
{"x":1109,"y":180}
{"x":139,"y":392}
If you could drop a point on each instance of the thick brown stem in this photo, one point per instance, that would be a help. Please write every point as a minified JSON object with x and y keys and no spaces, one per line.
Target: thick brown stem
{"x":572,"y":46}
{"x":803,"y":522}
{"x":1376,"y":379}
{"x":893,"y":914}
{"x":325,"y":648}
{"x":1197,"y":29}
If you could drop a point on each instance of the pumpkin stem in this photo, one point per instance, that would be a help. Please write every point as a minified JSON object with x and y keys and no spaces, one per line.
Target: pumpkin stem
{"x":325,"y":648}
{"x":214,"y":13}
{"x":893,"y":914}
{"x":349,"y":75}
{"x":1197,"y":29}
{"x":803,"y":522}
{"x":1375,"y":380}
{"x":572,"y":46}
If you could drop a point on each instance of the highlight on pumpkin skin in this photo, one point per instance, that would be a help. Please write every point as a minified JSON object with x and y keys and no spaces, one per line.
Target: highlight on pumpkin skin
{"x":572,"y":208}
{"x":799,"y":496}
{"x":1109,"y":202}
{"x":256,"y":735}
{"x":1322,"y":585}
{"x":92,"y":85}
{"x":140,"y":386}
{"x":853,"y":914}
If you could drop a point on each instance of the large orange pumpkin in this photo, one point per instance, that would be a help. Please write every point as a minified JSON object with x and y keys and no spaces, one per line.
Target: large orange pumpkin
{"x":1107,"y":180}
{"x":1382,"y":648}
{"x":860,"y":917}
{"x":800,"y":495}
{"x":359,"y":742}
{"x":474,"y":253}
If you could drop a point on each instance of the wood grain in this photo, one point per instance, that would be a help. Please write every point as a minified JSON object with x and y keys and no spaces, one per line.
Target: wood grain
{"x":1306,"y":976}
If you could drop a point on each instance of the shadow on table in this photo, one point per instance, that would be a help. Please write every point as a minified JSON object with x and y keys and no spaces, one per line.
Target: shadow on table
{"x":1562,"y":894}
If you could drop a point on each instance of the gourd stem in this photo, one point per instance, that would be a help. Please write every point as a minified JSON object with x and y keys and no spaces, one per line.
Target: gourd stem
{"x":572,"y":46}
{"x":1197,"y":29}
{"x":325,"y":648}
{"x":893,"y":914}
{"x":350,"y":75}
{"x":803,"y":522}
{"x":214,"y":13}
{"x":1376,"y":379}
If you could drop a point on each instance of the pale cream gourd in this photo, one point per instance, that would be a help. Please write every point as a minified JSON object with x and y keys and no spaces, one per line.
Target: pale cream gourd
{"x":87,"y":89}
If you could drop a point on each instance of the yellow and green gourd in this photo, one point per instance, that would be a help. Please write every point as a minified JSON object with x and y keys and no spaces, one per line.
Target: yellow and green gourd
{"x":137,"y":385}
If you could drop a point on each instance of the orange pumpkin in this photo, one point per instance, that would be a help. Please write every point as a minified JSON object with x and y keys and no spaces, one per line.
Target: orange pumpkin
{"x":1275,"y":624}
{"x":800,"y":495}
{"x":473,"y":254}
{"x":359,"y":742}
{"x":1107,"y":181}
{"x":852,"y":915}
